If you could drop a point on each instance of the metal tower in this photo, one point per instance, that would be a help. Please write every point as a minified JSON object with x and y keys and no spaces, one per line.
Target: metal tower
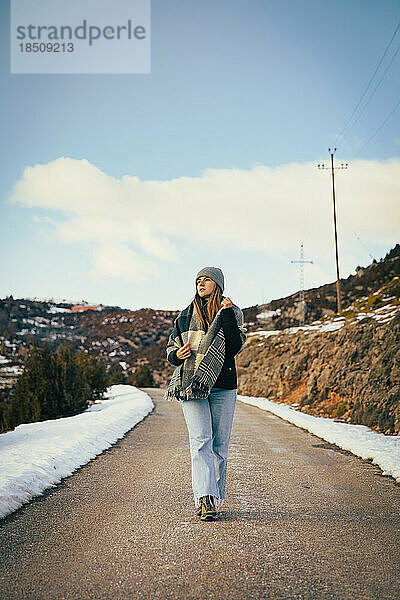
{"x":301,"y":292}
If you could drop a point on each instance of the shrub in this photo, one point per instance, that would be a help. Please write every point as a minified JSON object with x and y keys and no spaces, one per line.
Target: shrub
{"x":143,"y":377}
{"x":340,"y":410}
{"x":116,"y":374}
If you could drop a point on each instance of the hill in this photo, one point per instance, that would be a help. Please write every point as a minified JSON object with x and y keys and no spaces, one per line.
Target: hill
{"x":127,"y":339}
{"x":321,"y":301}
{"x":121,"y":337}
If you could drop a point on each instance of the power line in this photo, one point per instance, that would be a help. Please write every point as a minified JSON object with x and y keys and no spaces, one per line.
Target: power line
{"x":364,"y":246}
{"x":340,"y":137}
{"x":379,"y":128}
{"x":373,"y":92}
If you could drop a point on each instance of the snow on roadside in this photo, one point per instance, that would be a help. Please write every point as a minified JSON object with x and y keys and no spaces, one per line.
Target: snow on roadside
{"x":36,"y":456}
{"x":383,"y":450}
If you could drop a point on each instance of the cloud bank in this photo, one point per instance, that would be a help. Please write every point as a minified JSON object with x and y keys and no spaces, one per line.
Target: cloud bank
{"x":134,"y":226}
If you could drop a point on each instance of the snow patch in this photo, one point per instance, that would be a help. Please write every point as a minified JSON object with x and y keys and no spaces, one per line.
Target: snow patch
{"x":268,"y":314}
{"x":36,"y":456}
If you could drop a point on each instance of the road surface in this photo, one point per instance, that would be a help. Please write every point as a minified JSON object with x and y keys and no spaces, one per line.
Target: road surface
{"x":302,"y":520}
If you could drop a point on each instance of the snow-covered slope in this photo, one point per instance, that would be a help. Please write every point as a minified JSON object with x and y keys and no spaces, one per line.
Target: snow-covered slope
{"x":36,"y":456}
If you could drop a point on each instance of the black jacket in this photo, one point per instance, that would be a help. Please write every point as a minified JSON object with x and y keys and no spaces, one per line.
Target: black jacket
{"x":227,"y":379}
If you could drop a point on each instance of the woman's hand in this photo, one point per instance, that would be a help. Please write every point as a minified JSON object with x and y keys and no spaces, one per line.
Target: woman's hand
{"x":226,"y":303}
{"x":184,"y":351}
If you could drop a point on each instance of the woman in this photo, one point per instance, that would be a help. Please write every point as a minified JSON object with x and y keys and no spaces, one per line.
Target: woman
{"x":206,"y":336}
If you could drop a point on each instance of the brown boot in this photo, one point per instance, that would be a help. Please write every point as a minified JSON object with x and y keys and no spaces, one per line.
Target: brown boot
{"x":208,"y":512}
{"x":199,"y":508}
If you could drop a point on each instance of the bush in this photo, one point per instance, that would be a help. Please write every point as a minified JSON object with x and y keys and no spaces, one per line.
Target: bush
{"x":143,"y":377}
{"x":116,"y":374}
{"x":340,"y":410}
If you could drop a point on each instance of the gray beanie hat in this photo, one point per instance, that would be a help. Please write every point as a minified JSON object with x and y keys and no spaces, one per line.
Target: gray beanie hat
{"x":215,"y":273}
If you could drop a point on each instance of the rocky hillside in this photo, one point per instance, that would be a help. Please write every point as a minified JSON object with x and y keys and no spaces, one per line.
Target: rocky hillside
{"x":321,"y":301}
{"x":347,"y":367}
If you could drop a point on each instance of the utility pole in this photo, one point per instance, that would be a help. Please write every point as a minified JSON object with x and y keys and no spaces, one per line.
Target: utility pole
{"x":301,"y":293}
{"x":333,"y":168}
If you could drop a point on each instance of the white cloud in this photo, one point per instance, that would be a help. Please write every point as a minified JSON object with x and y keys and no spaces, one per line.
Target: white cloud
{"x":133,"y":224}
{"x":117,"y":260}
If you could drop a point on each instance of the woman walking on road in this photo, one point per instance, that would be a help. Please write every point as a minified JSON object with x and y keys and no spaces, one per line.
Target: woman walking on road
{"x":206,"y":336}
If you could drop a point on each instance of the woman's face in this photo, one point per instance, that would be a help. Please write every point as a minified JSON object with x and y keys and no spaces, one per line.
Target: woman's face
{"x":205,"y":286}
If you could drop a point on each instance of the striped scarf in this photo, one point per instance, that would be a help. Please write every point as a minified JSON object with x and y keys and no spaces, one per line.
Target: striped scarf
{"x":198,"y":373}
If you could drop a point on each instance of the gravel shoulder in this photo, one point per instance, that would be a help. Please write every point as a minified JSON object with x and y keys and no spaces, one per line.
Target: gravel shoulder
{"x":302,"y":519}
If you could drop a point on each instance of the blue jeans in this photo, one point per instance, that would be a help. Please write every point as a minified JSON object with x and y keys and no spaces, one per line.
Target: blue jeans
{"x":209,"y":423}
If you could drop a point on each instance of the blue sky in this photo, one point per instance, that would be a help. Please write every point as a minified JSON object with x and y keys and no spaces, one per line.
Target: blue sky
{"x":208,"y":160}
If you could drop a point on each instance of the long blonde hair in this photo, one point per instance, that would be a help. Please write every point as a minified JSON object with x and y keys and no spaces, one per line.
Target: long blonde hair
{"x":212,"y":307}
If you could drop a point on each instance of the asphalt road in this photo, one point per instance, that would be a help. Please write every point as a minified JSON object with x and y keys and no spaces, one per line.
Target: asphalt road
{"x":302,"y":520}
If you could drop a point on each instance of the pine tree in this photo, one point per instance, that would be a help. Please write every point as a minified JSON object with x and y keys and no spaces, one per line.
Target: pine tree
{"x":53,"y":385}
{"x":73,"y":387}
{"x":30,"y":398}
{"x":95,"y":373}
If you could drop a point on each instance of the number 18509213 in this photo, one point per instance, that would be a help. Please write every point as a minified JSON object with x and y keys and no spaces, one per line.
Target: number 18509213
{"x":46,"y":47}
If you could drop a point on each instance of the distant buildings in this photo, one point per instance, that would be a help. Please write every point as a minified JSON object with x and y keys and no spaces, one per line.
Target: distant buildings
{"x":82,"y":308}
